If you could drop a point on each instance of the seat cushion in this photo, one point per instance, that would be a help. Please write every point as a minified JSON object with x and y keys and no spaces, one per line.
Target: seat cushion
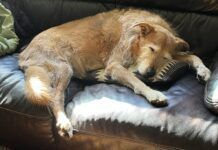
{"x":24,"y":125}
{"x":116,"y":111}
{"x":113,"y":110}
{"x":12,"y":95}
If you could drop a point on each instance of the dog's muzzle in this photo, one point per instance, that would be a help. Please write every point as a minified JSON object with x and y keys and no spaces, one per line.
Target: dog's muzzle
{"x":150,"y":72}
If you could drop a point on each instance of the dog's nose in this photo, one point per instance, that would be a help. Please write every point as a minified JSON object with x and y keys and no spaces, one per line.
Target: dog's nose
{"x":150,"y":72}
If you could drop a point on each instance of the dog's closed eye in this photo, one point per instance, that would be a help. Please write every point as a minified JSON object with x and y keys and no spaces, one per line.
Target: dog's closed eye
{"x":151,"y":49}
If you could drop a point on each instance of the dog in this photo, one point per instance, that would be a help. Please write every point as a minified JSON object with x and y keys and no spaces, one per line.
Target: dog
{"x":113,"y":41}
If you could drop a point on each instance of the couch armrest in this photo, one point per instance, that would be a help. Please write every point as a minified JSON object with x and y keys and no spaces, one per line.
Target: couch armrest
{"x":211,"y":90}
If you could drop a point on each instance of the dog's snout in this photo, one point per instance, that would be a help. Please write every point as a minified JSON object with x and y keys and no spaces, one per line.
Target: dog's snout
{"x":150,"y":72}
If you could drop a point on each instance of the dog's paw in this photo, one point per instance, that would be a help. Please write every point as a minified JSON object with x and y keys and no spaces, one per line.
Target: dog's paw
{"x":64,"y":126}
{"x":156,"y":98}
{"x":203,"y":73}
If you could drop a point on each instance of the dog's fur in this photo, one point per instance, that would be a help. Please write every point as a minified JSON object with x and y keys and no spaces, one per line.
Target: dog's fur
{"x":115,"y":41}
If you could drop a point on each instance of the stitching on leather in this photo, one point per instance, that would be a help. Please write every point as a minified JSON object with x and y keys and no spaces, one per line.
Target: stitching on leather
{"x":26,"y":115}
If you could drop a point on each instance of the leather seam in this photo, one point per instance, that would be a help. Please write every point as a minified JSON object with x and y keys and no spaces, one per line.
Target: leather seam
{"x":23,"y":114}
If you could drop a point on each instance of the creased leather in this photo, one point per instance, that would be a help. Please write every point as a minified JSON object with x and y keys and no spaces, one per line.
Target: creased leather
{"x":211,"y":90}
{"x":196,"y":28}
{"x":20,"y":131}
{"x":201,"y":6}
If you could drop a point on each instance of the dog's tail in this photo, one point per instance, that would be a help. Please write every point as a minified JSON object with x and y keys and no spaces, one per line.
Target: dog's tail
{"x":37,"y":85}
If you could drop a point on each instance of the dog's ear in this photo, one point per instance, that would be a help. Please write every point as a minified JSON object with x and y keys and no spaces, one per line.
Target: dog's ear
{"x":181,"y":45}
{"x":145,"y":28}
{"x":139,"y":30}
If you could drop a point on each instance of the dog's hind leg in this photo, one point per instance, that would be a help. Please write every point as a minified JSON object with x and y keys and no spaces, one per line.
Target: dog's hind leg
{"x":202,"y":71}
{"x":127,"y":78}
{"x":63,"y":76}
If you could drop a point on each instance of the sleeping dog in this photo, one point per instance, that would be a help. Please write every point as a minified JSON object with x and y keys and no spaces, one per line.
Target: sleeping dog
{"x":114,"y":41}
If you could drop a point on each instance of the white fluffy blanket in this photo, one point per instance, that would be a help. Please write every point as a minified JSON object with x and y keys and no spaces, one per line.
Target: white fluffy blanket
{"x":114,"y":102}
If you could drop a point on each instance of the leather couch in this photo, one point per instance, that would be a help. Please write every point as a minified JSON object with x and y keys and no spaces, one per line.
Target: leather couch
{"x":186,"y":122}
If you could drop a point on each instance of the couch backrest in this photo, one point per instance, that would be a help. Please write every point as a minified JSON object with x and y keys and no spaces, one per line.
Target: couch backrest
{"x":197,"y":6}
{"x":195,"y":20}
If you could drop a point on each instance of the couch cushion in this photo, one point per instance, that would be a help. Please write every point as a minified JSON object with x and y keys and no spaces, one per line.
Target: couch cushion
{"x":12,"y":95}
{"x":113,"y":110}
{"x":21,"y":120}
{"x":29,"y":21}
{"x":185,"y":117}
{"x":202,"y":6}
{"x":196,"y":28}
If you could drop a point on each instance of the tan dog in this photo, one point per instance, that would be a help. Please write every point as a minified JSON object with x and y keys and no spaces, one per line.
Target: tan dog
{"x":114,"y":41}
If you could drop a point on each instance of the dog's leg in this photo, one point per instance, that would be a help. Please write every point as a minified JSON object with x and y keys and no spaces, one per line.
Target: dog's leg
{"x":127,"y":78}
{"x":62,"y":122}
{"x":202,"y":71}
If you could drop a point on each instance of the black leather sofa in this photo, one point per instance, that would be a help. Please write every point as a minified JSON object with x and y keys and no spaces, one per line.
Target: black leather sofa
{"x":186,"y":123}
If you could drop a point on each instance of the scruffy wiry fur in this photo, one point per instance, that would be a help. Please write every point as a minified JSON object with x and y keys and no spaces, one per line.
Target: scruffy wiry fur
{"x":113,"y":41}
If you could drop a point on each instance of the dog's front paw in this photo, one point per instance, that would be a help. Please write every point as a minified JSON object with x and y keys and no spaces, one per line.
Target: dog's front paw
{"x":156,"y":98}
{"x":203,"y":73}
{"x":64,"y":126}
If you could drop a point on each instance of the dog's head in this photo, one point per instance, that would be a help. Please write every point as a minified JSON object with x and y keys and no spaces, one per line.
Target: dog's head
{"x":154,"y":44}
